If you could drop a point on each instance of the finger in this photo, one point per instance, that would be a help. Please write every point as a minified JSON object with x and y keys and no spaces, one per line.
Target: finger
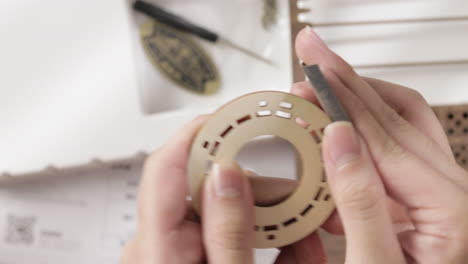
{"x":385,"y":150}
{"x":304,"y":90}
{"x":371,"y":116}
{"x":333,"y":223}
{"x":407,"y":190}
{"x":415,"y":243}
{"x":406,"y":102}
{"x":163,"y":190}
{"x":269,"y":191}
{"x":360,"y":197}
{"x":398,"y":214}
{"x":130,"y":253}
{"x":309,"y":250}
{"x":394,"y":162}
{"x":286,"y":256}
{"x":228,"y":216}
{"x":190,"y":214}
{"x":413,"y":108}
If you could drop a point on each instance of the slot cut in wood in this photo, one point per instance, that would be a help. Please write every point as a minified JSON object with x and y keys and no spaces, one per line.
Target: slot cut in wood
{"x":214,"y":149}
{"x":226,"y":131}
{"x":243,"y":119}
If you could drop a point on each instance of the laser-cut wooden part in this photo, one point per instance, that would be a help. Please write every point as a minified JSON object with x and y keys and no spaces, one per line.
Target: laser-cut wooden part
{"x":264,"y":113}
{"x":226,"y":131}
{"x":270,"y":228}
{"x":243,"y":119}
{"x":208,"y":166}
{"x":324,"y":176}
{"x":286,"y":222}
{"x":269,"y":191}
{"x":454,"y":120}
{"x":290,"y":221}
{"x":302,"y":123}
{"x":283,"y":114}
{"x":214,"y":149}
{"x":319,"y":193}
{"x":286,"y":105}
{"x":307,"y":209}
{"x":316,"y":137}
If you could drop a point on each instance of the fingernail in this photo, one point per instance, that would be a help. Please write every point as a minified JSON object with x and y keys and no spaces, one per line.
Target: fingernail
{"x":313,"y":35}
{"x":227,"y":180}
{"x":342,"y":143}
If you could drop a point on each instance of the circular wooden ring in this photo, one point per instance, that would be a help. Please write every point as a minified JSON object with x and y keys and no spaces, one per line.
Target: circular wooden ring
{"x":269,"y":113}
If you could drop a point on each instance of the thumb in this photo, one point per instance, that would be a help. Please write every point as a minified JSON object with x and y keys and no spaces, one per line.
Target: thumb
{"x":228,"y":216}
{"x":360,"y":197}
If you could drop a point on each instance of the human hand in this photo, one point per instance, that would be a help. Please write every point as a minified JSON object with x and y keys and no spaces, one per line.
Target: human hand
{"x":169,"y":231}
{"x":393,"y":166}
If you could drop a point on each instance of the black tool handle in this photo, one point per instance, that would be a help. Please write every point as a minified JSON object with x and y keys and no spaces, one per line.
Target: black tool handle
{"x":173,"y":20}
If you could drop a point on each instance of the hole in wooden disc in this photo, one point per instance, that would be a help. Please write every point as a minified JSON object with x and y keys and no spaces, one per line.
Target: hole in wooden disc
{"x":273,"y":165}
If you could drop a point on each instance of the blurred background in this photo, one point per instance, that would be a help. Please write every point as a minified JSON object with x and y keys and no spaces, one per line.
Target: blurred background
{"x":88,"y":88}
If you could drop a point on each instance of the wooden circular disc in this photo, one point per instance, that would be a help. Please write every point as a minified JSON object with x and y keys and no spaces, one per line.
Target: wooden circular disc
{"x":269,"y":113}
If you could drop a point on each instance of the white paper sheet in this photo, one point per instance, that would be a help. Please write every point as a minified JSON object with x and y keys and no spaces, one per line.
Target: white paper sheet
{"x":76,"y":217}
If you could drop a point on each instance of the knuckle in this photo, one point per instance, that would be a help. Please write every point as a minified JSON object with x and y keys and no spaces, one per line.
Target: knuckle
{"x":458,"y":212}
{"x":344,"y":69}
{"x":360,"y":114}
{"x":415,"y":97}
{"x":391,"y":152}
{"x":394,"y":118}
{"x":363,"y":198}
{"x":229,"y":236}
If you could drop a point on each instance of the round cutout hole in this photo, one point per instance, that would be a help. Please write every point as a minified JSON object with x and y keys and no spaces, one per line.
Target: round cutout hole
{"x":273,"y":165}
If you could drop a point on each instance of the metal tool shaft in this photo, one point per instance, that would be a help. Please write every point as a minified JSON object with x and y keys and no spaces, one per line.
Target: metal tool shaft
{"x":327,"y":98}
{"x":244,"y":51}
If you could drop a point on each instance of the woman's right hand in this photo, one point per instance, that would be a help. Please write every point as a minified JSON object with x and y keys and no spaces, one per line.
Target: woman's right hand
{"x":394,"y":151}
